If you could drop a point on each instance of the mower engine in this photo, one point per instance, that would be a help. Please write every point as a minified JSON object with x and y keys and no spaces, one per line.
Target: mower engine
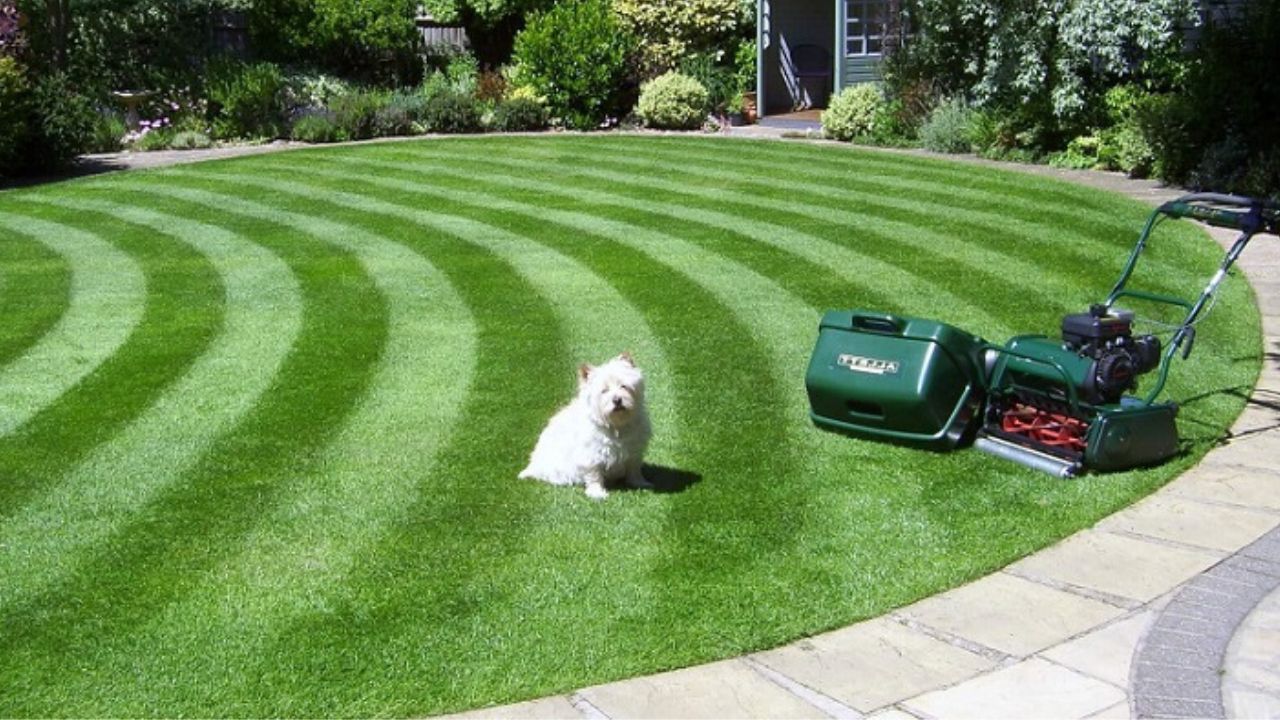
{"x":1059,"y":405}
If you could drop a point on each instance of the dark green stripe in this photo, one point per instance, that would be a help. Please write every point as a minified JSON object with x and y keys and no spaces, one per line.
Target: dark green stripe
{"x":707,"y":532}
{"x":431,"y":574}
{"x":35,"y":291}
{"x":197,"y":523}
{"x":182,"y":316}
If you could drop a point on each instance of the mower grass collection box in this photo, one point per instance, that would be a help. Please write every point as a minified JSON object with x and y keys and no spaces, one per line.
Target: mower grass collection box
{"x":905,"y":380}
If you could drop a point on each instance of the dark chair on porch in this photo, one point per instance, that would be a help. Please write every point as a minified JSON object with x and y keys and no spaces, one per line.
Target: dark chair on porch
{"x":812,"y":63}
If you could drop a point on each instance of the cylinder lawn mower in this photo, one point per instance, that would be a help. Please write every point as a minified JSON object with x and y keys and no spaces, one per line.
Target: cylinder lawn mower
{"x":1057,"y":405}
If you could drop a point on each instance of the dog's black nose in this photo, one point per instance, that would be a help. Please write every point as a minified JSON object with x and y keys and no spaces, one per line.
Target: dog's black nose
{"x":617,"y":403}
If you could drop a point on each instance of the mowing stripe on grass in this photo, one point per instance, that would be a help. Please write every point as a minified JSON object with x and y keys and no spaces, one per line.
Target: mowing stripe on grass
{"x":783,"y":325}
{"x":895,"y":209}
{"x":876,"y":276}
{"x":899,"y":175}
{"x":870,"y":233}
{"x":997,"y":182}
{"x":594,"y":332}
{"x":300,"y":555}
{"x":156,"y":557}
{"x":35,"y":291}
{"x":167,"y":340}
{"x":756,"y":391}
{"x":108,"y":296}
{"x":1164,"y":269}
{"x":262,"y":317}
{"x":390,"y":625}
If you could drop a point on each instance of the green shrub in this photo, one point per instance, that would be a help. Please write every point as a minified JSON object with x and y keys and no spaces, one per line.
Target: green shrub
{"x":949,"y":128}
{"x":672,"y":101}
{"x":721,"y":81}
{"x":575,"y":55}
{"x":853,"y":112}
{"x":63,"y":124}
{"x":994,"y":134}
{"x":1124,"y":148}
{"x":247,"y":100}
{"x":399,"y":115}
{"x":108,"y":134}
{"x":1169,"y":124}
{"x":1081,"y":154}
{"x":190,"y":140}
{"x":317,"y":128}
{"x":519,"y":114}
{"x":744,"y":66}
{"x":451,"y":112}
{"x":356,"y":112}
{"x":15,"y":111}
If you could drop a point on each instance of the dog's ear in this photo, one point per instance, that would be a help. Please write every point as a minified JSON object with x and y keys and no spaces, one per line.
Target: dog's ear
{"x":584,"y":372}
{"x":626,"y":358}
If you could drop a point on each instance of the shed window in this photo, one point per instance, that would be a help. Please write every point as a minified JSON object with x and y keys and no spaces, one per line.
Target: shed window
{"x":864,"y":26}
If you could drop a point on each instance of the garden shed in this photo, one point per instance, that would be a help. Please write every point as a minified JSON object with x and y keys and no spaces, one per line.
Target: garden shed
{"x":809,"y":49}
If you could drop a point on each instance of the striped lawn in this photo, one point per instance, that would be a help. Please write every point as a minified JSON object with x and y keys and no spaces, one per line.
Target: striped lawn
{"x":260,"y":419}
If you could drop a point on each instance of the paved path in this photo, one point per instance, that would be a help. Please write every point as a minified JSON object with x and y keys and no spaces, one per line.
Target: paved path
{"x":1169,"y":608}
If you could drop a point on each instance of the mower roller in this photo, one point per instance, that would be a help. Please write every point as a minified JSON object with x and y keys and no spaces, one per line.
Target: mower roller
{"x":1060,"y":405}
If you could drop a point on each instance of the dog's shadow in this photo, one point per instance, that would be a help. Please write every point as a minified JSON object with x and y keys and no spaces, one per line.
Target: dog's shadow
{"x":669,"y":480}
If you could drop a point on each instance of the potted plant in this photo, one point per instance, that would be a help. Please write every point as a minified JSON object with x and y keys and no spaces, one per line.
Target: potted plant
{"x":734,"y":110}
{"x":749,"y":108}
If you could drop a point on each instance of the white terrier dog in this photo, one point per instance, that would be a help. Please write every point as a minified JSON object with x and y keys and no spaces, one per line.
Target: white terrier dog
{"x":598,"y":437}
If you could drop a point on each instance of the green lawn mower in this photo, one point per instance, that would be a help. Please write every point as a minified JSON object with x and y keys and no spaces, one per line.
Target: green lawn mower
{"x":1061,"y":405}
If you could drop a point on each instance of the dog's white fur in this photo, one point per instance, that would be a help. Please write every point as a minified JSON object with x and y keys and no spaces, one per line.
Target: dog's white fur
{"x":600,"y":436}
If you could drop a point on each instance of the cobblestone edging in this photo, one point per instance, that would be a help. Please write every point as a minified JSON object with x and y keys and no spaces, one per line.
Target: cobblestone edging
{"x":1177,"y":671}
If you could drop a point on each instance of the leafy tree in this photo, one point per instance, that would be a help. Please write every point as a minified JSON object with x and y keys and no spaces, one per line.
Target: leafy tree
{"x":373,"y":39}
{"x":1053,"y":57}
{"x":669,"y":30}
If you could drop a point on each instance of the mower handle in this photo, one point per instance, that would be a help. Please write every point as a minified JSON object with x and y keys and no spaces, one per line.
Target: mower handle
{"x":1248,"y":215}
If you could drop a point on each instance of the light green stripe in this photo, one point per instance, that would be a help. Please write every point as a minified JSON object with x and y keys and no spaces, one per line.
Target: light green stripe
{"x":262,"y":319}
{"x":596,"y":329}
{"x":843,"y":183}
{"x":860,"y":227}
{"x":296,"y":565}
{"x":858,"y":269}
{"x":295,"y":559}
{"x":913,"y":196}
{"x":785,"y":323}
{"x":107,"y":300}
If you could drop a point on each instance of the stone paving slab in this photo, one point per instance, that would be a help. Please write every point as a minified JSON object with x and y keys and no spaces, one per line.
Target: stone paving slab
{"x":1228,"y":484}
{"x":1213,"y":527}
{"x":727,"y":689}
{"x":1107,"y":652}
{"x":874,"y":664}
{"x":1117,"y":565}
{"x":1033,"y":688}
{"x":996,"y":611}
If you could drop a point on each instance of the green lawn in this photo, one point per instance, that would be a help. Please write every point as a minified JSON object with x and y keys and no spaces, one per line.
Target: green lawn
{"x":261,"y":419}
